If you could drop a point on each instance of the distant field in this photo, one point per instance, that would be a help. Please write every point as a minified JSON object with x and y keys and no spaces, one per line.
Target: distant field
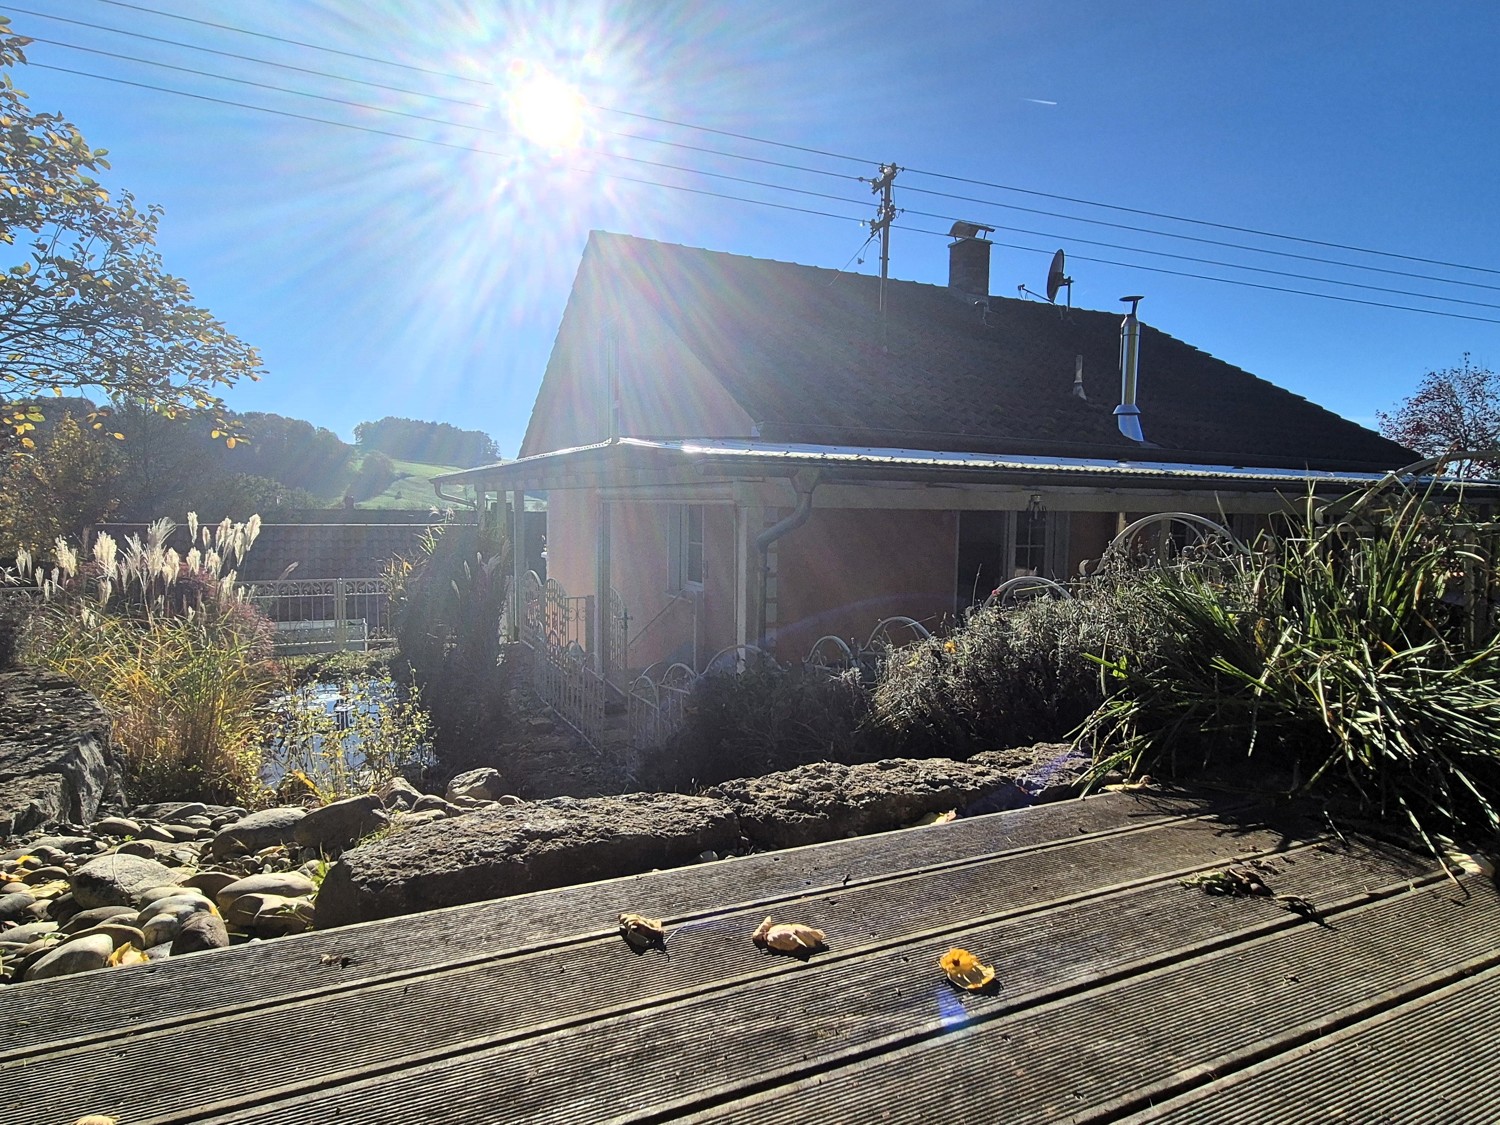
{"x":411,"y":490}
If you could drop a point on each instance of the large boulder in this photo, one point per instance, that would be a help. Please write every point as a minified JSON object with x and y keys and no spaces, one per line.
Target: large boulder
{"x":491,"y":853}
{"x":55,"y":759}
{"x":827,"y":801}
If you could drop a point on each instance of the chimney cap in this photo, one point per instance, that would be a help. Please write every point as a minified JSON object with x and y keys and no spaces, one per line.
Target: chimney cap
{"x":965,"y":229}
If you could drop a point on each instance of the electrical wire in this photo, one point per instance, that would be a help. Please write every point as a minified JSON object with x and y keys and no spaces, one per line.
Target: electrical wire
{"x":1226,"y":280}
{"x":843,"y":156}
{"x":836,"y":155}
{"x":439,"y":143}
{"x":1225,"y":265}
{"x":1198,"y":222}
{"x":745,"y":199}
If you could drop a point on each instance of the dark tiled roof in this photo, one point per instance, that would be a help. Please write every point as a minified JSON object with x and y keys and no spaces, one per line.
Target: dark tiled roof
{"x":802,"y":350}
{"x":343,"y":550}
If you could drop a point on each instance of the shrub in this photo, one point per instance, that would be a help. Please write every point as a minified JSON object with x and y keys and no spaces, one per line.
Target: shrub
{"x":760,"y":721}
{"x":1351,"y":650}
{"x":1008,"y":676}
{"x":445,"y":606}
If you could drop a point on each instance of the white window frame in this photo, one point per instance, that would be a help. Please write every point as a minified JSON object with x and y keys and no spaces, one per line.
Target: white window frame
{"x":686,"y":554}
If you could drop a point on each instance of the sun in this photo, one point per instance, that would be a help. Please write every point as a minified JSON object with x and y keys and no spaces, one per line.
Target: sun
{"x":545,"y":109}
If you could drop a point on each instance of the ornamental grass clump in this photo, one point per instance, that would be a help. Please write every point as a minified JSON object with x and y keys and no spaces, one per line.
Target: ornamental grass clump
{"x":167,"y":642}
{"x":1350,"y":651}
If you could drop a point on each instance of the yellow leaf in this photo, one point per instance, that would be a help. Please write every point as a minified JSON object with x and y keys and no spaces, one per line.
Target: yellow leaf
{"x":964,"y":970}
{"x":229,"y":443}
{"x":128,"y":954}
{"x":118,"y":436}
{"x":28,"y":443}
{"x":788,"y":937}
{"x":97,"y":1119}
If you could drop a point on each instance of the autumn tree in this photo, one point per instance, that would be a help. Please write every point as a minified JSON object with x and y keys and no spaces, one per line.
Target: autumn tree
{"x":87,"y":305}
{"x":65,"y":488}
{"x":1455,"y":410}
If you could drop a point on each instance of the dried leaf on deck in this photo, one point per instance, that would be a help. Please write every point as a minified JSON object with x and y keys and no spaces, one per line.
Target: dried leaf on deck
{"x":128,"y":954}
{"x":1236,"y":882}
{"x":642,"y":932}
{"x":788,"y":937}
{"x":97,"y":1119}
{"x":965,"y":970}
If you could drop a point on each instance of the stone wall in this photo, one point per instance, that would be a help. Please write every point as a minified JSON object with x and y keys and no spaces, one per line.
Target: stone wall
{"x":56,"y":765}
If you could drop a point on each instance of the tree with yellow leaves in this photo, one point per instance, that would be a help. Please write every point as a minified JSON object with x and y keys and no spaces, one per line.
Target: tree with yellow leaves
{"x":88,"y":307}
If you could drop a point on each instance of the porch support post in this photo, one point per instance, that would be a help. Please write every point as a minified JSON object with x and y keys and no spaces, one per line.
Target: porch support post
{"x":601,"y":593}
{"x":744,"y":571}
{"x":517,"y":559}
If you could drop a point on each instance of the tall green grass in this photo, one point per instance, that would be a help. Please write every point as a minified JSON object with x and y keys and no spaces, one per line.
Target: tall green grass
{"x":1352,"y":651}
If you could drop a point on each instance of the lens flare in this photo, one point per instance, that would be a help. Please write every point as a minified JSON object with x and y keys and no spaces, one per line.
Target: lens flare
{"x":545,"y":109}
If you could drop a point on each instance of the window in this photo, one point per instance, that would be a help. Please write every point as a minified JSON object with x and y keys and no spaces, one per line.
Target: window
{"x":686,"y":548}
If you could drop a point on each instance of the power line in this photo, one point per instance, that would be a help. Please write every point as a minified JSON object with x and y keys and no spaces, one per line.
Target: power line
{"x":1201,"y":240}
{"x":865,"y":161}
{"x":1228,"y":281}
{"x":448,"y":144}
{"x":1198,"y":222}
{"x":741,"y":199}
{"x":485,"y":129}
{"x":1226,"y":265}
{"x":781,"y":187}
{"x":477,"y":81}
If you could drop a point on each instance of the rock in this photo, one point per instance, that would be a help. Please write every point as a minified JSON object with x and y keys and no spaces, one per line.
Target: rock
{"x":69,"y":845}
{"x":80,"y":955}
{"x":828,"y":801}
{"x":289,"y":884}
{"x":210,"y":883}
{"x":31,"y":931}
{"x":146,"y":849}
{"x":162,"y":921}
{"x":271,"y":915}
{"x":116,"y":879}
{"x":39,"y":875}
{"x":157,"y":832}
{"x":1048,"y":771}
{"x":63,"y":907}
{"x":200,"y":931}
{"x":426,"y":816}
{"x":117,"y":826}
{"x":55,"y":759}
{"x":13,"y":906}
{"x":430,"y":802}
{"x":171,"y":811}
{"x":120,"y":933}
{"x":87,"y":919}
{"x":483,"y":784}
{"x":398,"y":793}
{"x":335,"y":827}
{"x":505,"y":851}
{"x":256,"y":831}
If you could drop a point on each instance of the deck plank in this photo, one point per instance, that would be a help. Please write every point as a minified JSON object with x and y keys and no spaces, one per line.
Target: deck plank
{"x":1119,"y":987}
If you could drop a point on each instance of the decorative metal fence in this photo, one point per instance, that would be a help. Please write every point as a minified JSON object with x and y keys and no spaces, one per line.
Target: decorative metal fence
{"x":325,"y":614}
{"x":559,"y":630}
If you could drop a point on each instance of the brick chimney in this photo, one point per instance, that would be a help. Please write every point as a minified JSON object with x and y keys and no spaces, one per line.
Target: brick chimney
{"x":969,"y":259}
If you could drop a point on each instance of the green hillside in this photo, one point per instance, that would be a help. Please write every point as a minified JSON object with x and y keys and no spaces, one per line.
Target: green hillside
{"x":411,"y":490}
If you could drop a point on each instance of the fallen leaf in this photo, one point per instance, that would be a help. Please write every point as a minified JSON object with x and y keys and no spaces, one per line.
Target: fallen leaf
{"x":98,"y":1119}
{"x":1236,"y":882}
{"x":964,"y":970}
{"x":127,"y":954}
{"x":788,"y":937}
{"x":642,"y":932}
{"x":342,"y":960}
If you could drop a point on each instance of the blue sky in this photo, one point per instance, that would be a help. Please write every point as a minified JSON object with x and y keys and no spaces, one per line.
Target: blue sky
{"x":417,"y":277}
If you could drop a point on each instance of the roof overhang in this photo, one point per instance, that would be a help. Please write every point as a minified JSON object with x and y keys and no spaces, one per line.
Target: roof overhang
{"x":646,"y":461}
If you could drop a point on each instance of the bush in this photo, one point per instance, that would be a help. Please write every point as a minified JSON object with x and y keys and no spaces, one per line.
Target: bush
{"x":1352,"y":652}
{"x":1008,"y":676}
{"x":760,"y":721}
{"x":445,"y":606}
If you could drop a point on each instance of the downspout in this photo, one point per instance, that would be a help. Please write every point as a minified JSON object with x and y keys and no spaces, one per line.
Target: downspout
{"x":782,"y":527}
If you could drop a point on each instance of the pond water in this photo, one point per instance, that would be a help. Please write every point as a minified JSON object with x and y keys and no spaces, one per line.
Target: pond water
{"x":340,"y":734}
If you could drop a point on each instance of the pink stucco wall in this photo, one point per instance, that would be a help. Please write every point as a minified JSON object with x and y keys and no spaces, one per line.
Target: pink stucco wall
{"x":846,"y":569}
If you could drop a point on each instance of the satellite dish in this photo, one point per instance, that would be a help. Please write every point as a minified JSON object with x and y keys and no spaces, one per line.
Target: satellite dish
{"x":1056,"y":279}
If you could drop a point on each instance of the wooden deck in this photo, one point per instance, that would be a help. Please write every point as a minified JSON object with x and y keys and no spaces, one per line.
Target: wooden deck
{"x":1123,"y":995}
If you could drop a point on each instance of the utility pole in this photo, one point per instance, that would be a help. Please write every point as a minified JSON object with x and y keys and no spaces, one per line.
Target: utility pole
{"x":881,"y":225}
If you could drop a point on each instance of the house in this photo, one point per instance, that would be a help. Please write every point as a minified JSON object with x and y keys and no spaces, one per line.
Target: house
{"x":751,"y":452}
